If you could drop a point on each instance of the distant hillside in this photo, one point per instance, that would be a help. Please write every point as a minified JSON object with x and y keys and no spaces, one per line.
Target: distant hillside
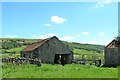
{"x":9,"y":43}
{"x":17,"y":40}
{"x":88,"y":47}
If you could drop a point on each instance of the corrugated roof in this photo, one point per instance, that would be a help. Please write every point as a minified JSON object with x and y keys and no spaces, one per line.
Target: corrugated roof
{"x":35,"y":45}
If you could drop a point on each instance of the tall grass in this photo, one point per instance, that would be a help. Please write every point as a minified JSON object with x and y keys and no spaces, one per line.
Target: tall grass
{"x":57,"y":71}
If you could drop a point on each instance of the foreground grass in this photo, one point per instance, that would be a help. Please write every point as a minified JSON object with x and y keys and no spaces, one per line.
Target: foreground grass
{"x":57,"y":71}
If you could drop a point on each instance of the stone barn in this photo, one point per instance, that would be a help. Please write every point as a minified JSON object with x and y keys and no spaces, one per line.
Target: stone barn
{"x":50,"y":50}
{"x":112,"y":54}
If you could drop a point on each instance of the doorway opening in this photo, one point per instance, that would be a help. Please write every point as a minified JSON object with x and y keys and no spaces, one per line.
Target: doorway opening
{"x":62,"y":58}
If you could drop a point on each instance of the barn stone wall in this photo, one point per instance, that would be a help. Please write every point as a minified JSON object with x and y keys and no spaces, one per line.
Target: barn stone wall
{"x":25,"y":54}
{"x":54,"y":46}
{"x":111,"y":56}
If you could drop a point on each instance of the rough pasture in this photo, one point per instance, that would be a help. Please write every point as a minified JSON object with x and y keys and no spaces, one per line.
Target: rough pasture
{"x":57,"y":71}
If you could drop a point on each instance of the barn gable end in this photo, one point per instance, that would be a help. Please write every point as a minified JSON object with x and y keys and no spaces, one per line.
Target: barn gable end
{"x":111,"y":54}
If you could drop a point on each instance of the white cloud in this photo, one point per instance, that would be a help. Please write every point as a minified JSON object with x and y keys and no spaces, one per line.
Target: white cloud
{"x":77,"y":35}
{"x":103,"y":3}
{"x":9,"y":36}
{"x":99,"y":42}
{"x":49,"y":25}
{"x":57,"y":19}
{"x":101,"y":34}
{"x":85,"y":33}
{"x":69,"y":38}
{"x":44,"y":36}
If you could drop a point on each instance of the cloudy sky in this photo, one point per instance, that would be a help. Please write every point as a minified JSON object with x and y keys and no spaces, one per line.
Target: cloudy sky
{"x":83,"y":22}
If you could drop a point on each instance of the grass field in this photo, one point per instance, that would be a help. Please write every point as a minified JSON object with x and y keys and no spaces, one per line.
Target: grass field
{"x":16,"y":50}
{"x":57,"y":71}
{"x":88,"y":55}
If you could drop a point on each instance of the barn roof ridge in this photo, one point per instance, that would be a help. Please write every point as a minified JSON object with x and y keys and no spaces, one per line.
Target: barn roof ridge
{"x":35,"y":45}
